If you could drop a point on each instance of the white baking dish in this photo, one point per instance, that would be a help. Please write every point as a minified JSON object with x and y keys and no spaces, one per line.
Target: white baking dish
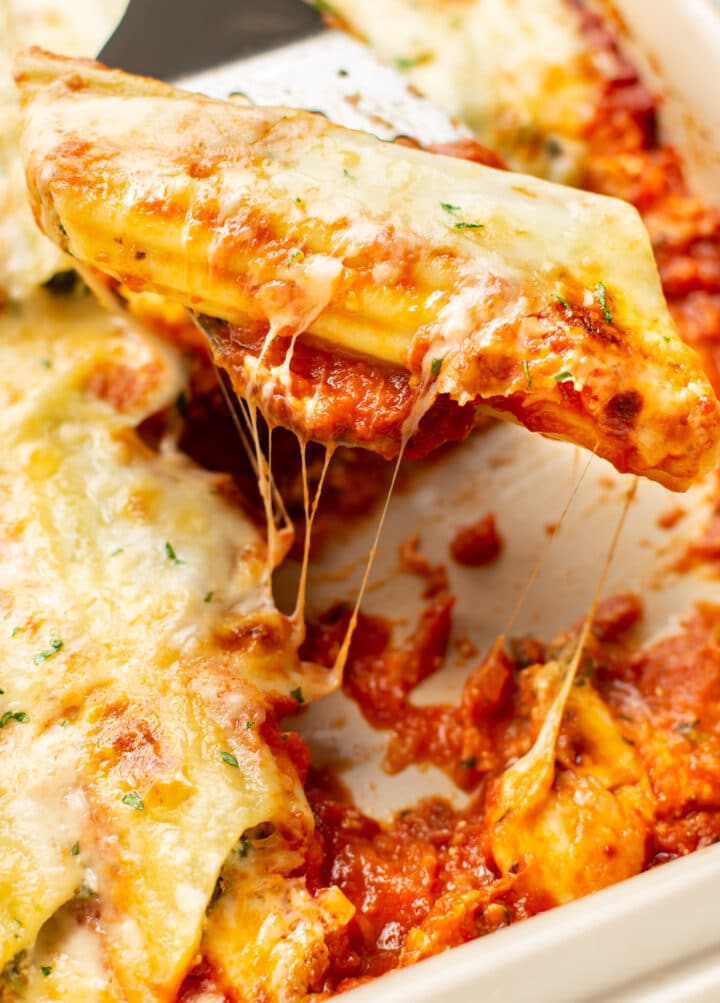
{"x":653,"y":938}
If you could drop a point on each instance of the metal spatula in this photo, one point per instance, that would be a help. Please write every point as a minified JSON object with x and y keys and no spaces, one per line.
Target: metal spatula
{"x":275,"y":53}
{"x":287,"y":57}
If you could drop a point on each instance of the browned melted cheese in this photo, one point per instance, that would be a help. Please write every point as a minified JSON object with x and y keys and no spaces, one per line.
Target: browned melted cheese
{"x":453,"y":280}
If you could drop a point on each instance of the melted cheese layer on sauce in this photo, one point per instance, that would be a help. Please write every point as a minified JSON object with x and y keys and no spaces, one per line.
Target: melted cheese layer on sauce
{"x":532,"y":300}
{"x":519,"y":74}
{"x":76,"y":28}
{"x":141,"y":657}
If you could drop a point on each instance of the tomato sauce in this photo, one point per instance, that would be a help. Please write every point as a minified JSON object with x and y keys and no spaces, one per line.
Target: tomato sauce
{"x":629,"y":160}
{"x":427,"y":880}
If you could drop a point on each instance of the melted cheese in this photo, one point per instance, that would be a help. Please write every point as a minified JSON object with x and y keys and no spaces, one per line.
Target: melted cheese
{"x":140,"y":647}
{"x":519,"y":74}
{"x":75,"y":27}
{"x":593,"y":816}
{"x":276,"y":220}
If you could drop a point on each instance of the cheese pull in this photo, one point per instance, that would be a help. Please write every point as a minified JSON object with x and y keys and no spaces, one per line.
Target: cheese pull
{"x":352,"y":286}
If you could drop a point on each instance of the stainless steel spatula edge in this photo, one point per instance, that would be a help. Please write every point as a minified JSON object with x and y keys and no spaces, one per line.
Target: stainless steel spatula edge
{"x":287,"y":58}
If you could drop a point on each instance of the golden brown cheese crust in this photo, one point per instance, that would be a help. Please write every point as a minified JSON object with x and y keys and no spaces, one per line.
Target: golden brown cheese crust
{"x":531,"y":301}
{"x":142,"y":667}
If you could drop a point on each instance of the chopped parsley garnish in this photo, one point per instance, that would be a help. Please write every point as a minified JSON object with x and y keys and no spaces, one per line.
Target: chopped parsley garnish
{"x":181,"y":403}
{"x":46,"y":363}
{"x":469,"y":763}
{"x":42,"y":656}
{"x":133,"y":800}
{"x":227,"y":757}
{"x":602,"y":300}
{"x":118,"y":550}
{"x":685,"y":727}
{"x":462,"y":225}
{"x":347,"y":174}
{"x":291,"y":257}
{"x":249,"y":725}
{"x":666,"y":339}
{"x":209,"y":597}
{"x":18,"y":715}
{"x":563,"y":302}
{"x":298,"y":200}
{"x":171,"y":555}
{"x":449,"y":207}
{"x":436,"y":366}
{"x":407,"y":62}
{"x":323,"y":7}
{"x":75,"y":849}
{"x":64,"y":723}
{"x":563,"y":377}
{"x":587,"y":672}
{"x":2,"y":692}
{"x":297,"y":695}
{"x":526,"y":370}
{"x":46,"y":970}
{"x":15,"y":631}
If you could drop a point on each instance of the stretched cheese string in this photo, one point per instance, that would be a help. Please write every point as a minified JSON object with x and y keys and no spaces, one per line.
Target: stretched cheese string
{"x":342,"y":655}
{"x":266,"y":486}
{"x":269,"y":493}
{"x":545,"y":550}
{"x":527,"y":781}
{"x":233,"y":403}
{"x":298,"y":617}
{"x":424,"y":400}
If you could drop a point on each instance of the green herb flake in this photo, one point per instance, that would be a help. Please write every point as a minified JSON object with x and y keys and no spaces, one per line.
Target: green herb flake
{"x":42,"y":656}
{"x":118,"y":550}
{"x":171,"y":555}
{"x":436,"y":366}
{"x":407,"y":62}
{"x":249,"y":725}
{"x":602,"y":300}
{"x":587,"y":672}
{"x":133,"y":800}
{"x":15,"y":631}
{"x":666,"y":339}
{"x":297,"y":695}
{"x":347,"y":174}
{"x":692,"y":733}
{"x":298,"y":200}
{"x":562,"y":301}
{"x":208,"y":597}
{"x":46,"y":363}
{"x":563,"y":377}
{"x":18,"y":715}
{"x":227,"y":757}
{"x":64,"y":723}
{"x":75,"y":849}
{"x":462,"y":225}
{"x":469,"y":763}
{"x":323,"y":7}
{"x":449,"y":207}
{"x":46,"y":970}
{"x":526,"y":370}
{"x":2,"y":692}
{"x":291,"y":257}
